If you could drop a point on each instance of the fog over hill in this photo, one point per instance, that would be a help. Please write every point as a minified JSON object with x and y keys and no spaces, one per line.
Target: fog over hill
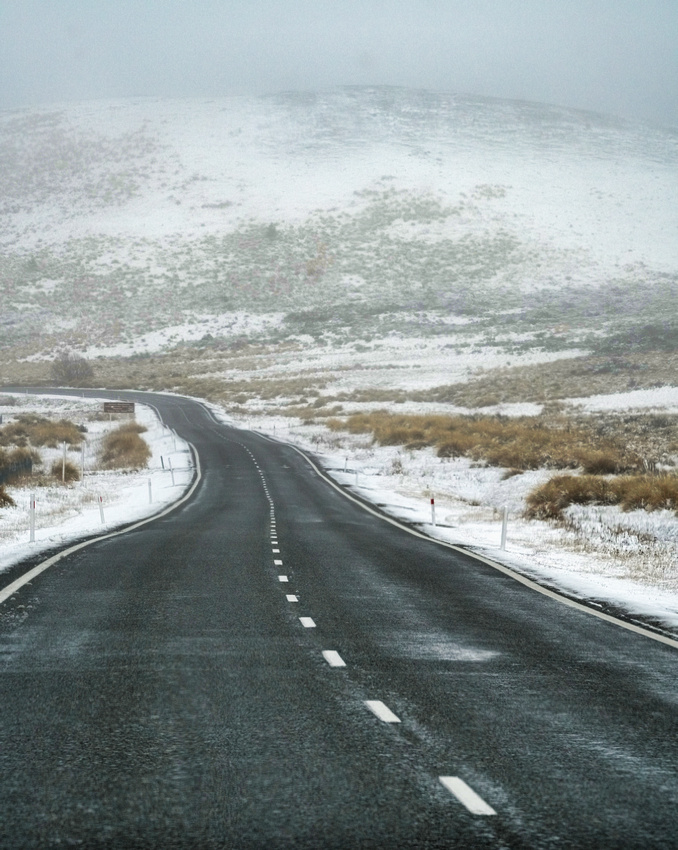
{"x":351,"y":213}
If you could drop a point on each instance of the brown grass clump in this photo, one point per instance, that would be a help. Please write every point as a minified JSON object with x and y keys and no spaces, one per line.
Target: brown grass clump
{"x":39,"y":431}
{"x":6,"y":501}
{"x":549,"y":500}
{"x":15,"y":464}
{"x":69,"y":473}
{"x":650,"y":492}
{"x":520,"y":444}
{"x":123,"y":448}
{"x":631,"y":492}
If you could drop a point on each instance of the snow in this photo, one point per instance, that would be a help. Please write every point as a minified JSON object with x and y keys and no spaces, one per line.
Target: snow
{"x":662,"y":399}
{"x":602,"y":556}
{"x":69,"y":512}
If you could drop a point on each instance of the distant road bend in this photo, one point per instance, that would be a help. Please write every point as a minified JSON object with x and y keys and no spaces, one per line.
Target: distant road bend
{"x":271,"y":666}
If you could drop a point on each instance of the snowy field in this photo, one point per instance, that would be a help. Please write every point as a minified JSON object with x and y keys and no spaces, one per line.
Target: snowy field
{"x":627,"y":559}
{"x":71,"y":511}
{"x":350,"y":250}
{"x":163,"y":221}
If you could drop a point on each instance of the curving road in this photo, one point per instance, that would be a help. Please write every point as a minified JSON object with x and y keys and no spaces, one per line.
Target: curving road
{"x":271,"y":666}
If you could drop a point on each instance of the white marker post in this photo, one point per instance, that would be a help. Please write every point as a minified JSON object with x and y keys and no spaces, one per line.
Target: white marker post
{"x":345,"y":463}
{"x":63,"y":465}
{"x":101,"y":510}
{"x":32,"y":523}
{"x":433,"y":511}
{"x":82,"y":462}
{"x":150,"y":492}
{"x":504,"y":523}
{"x":171,"y":469}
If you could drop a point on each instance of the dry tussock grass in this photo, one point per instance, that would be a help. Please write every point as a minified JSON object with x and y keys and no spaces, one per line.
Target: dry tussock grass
{"x":516,"y":444}
{"x":630,"y":492}
{"x":124,"y":448}
{"x":6,"y":501}
{"x":68,"y":472}
{"x":39,"y":431}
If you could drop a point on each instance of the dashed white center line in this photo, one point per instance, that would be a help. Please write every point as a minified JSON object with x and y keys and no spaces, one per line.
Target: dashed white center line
{"x":283,"y":578}
{"x":466,"y":796}
{"x":383,"y":712}
{"x":277,"y":562}
{"x":307,"y":622}
{"x":333,"y":658}
{"x":275,"y":551}
{"x":292,"y":598}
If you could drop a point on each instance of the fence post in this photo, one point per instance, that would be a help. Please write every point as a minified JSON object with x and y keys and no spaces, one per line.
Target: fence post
{"x":32,"y":523}
{"x":504,"y":523}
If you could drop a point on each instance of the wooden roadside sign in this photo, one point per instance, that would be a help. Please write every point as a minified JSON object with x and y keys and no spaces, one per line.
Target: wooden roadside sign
{"x":118,"y":407}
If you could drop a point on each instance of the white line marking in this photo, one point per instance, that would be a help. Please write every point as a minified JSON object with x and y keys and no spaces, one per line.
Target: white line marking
{"x":307,"y":622}
{"x":383,"y":712}
{"x":500,"y":567}
{"x":283,"y":578}
{"x":277,"y":562}
{"x":292,"y":598}
{"x":8,"y":591}
{"x":466,"y":796}
{"x":333,"y":658}
{"x":275,"y":551}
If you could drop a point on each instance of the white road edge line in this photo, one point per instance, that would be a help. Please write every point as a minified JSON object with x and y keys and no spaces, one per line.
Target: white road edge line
{"x":564,"y":600}
{"x":466,"y":796}
{"x":333,"y":658}
{"x":307,"y":622}
{"x":12,"y":588}
{"x":383,"y":712}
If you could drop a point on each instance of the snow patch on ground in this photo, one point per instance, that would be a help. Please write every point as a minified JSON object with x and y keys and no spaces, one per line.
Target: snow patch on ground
{"x":664,"y":399}
{"x":629,"y":560}
{"x":65,"y":513}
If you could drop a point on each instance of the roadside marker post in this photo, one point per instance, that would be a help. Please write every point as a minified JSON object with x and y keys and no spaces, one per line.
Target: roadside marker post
{"x":433,"y":511}
{"x":504,"y":523}
{"x":82,"y":462}
{"x":150,"y":492}
{"x":63,"y":464}
{"x":101,"y":509}
{"x":32,"y":523}
{"x":171,"y":469}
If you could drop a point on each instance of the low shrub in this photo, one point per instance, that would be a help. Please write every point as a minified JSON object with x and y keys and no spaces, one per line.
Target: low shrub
{"x":630,"y":492}
{"x":15,"y":463}
{"x":650,"y":492}
{"x":521,"y":443}
{"x":6,"y":501}
{"x":40,"y":431}
{"x":124,"y":448}
{"x":67,"y":472}
{"x":549,"y":500}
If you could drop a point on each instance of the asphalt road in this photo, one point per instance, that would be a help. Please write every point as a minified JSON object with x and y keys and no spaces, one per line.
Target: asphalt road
{"x":166,"y":688}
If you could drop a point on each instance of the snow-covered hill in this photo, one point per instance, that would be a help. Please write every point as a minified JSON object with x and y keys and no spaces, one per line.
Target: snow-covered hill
{"x":351,"y":209}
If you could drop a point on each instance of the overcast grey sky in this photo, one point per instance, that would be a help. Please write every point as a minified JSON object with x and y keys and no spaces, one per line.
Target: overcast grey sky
{"x":617,"y":56}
